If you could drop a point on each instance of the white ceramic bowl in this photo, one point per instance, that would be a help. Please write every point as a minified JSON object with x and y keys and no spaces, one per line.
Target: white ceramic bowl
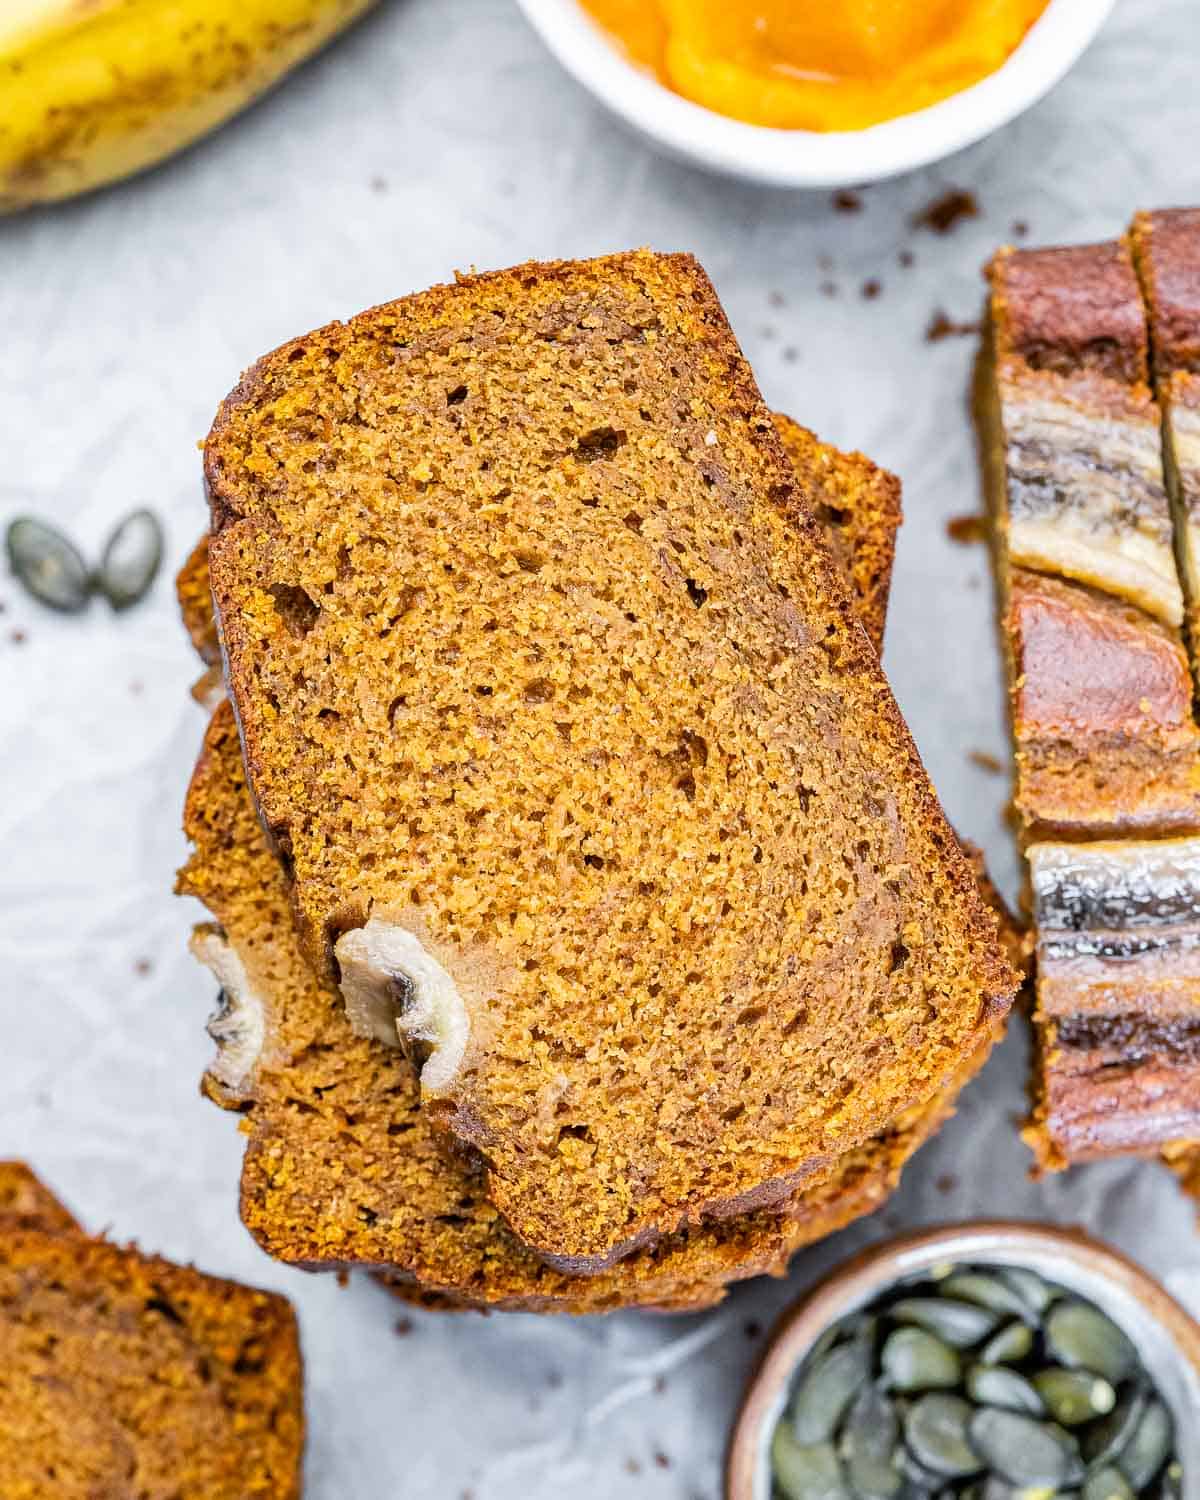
{"x":804,"y":158}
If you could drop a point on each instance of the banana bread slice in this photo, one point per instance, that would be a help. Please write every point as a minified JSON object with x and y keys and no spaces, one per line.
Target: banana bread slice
{"x":1118,"y":1020}
{"x":590,"y":784}
{"x":1104,"y":735}
{"x":343,"y":1167}
{"x":126,"y":1375}
{"x":1166,"y":249}
{"x":26,"y":1203}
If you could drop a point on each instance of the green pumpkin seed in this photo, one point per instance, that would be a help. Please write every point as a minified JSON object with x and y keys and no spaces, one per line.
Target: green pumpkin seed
{"x":919,"y":1479}
{"x":1022,"y":1450}
{"x":1008,"y":1346}
{"x":48,"y":564}
{"x":1075,"y":1396}
{"x":826,"y":1389}
{"x":870,"y":1436}
{"x":987,"y":1291}
{"x":131,"y":560}
{"x":915,"y":1360}
{"x":994,"y":1385}
{"x":1107,"y":1483}
{"x":959,"y":1324}
{"x":935,"y":1430}
{"x":806,"y":1471}
{"x":1104,"y":1442}
{"x":1150,"y":1446}
{"x":1172,"y":1482}
{"x":1080,"y":1336}
{"x":1036,"y":1293}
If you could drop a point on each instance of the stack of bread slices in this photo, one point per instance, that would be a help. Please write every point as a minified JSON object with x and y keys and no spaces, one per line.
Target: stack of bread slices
{"x":589,"y":934}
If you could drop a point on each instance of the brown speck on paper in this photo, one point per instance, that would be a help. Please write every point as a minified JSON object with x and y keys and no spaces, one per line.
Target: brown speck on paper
{"x":941,"y":326}
{"x":907,"y":259}
{"x":967,"y":529}
{"x":142,"y":967}
{"x":828,"y":289}
{"x":17,"y":637}
{"x":791,"y":354}
{"x":661,"y":1461}
{"x":752,"y":1328}
{"x":946,"y":212}
{"x":946,"y":1183}
{"x":402,"y":1327}
{"x":871,"y":289}
{"x":847,"y":202}
{"x":986,"y":761}
{"x":1019,"y":229}
{"x":776,"y":299}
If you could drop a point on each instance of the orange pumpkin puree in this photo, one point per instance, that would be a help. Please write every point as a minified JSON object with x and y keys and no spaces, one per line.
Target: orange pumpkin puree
{"x":813,"y":64}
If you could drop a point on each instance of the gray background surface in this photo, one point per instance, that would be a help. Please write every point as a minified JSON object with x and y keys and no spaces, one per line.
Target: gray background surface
{"x":440,"y":135}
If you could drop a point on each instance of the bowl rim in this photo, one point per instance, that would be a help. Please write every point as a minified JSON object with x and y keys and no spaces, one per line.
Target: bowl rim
{"x":873,"y":1269}
{"x":801,"y":158}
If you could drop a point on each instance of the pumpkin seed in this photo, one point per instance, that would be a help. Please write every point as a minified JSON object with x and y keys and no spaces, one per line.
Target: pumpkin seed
{"x":1107,"y":1483}
{"x":987,"y":1291}
{"x":959,"y":1324}
{"x":920,"y":1480}
{"x":994,"y":1385}
{"x":48,"y":564}
{"x":1035,"y":1292}
{"x":131,"y":560}
{"x":1149,"y":1447}
{"x":914,"y":1360}
{"x":1105,"y":1442}
{"x":1074,"y":1396}
{"x":806,"y":1471}
{"x":868,"y":1446}
{"x":827,"y":1388}
{"x":935,"y":1429}
{"x":1022,"y":1450}
{"x":1080,"y":1336}
{"x":1008,"y":1346}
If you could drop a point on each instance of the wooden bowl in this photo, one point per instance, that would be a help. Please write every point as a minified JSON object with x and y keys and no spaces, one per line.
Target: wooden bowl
{"x":1166,"y":1336}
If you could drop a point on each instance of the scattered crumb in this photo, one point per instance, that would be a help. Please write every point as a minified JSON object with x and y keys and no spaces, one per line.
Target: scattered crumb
{"x":17,"y":637}
{"x":986,"y":761}
{"x":776,"y":299}
{"x":403,"y":1327}
{"x":967,"y":529}
{"x":752,"y":1328}
{"x":943,"y":327}
{"x":847,"y":202}
{"x":825,"y":261}
{"x":945,"y":213}
{"x":342,"y":1278}
{"x":871,"y":289}
{"x":632,"y":1466}
{"x":791,"y":354}
{"x":660,"y":1384}
{"x":946,"y":1183}
{"x":142,"y":967}
{"x":907,"y":259}
{"x":661,"y":1461}
{"x":828,"y":289}
{"x":1019,"y":229}
{"x":379,"y":184}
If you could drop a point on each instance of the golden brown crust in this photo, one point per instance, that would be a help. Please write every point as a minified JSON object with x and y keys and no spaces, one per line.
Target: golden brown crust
{"x":194,"y":593}
{"x":1167,"y":248}
{"x":1073,"y":310}
{"x":607,"y":1175}
{"x":26,"y":1203}
{"x":119,"y":1364}
{"x":859,"y":510}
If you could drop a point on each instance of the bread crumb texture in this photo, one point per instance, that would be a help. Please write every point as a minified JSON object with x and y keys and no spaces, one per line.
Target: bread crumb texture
{"x":344,"y":1168}
{"x":123,"y":1374}
{"x":528,"y":630}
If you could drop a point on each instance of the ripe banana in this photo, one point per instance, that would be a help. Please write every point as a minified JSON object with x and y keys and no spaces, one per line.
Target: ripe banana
{"x":94,"y":90}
